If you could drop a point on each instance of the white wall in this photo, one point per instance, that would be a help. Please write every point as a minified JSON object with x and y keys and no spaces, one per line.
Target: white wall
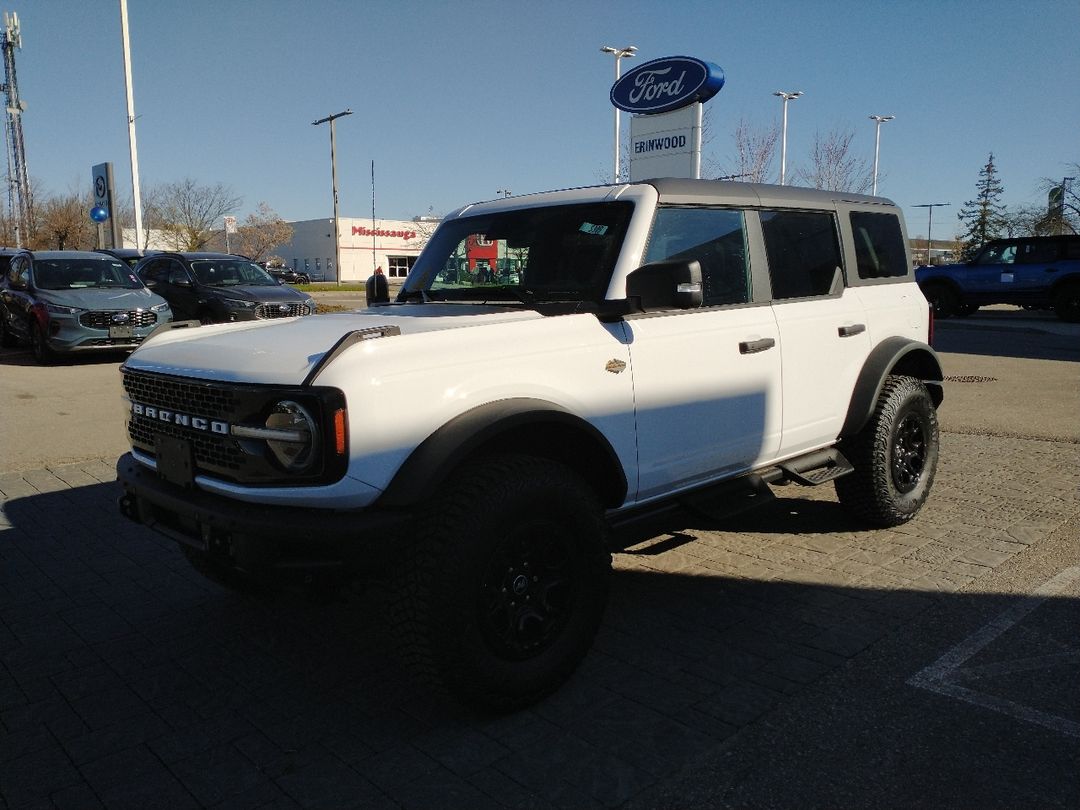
{"x":364,"y":246}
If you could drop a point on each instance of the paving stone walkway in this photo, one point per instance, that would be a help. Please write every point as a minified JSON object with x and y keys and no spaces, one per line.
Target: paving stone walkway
{"x":126,"y":680}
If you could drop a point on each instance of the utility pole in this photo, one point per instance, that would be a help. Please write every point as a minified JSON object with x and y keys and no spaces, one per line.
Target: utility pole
{"x":333,"y":180}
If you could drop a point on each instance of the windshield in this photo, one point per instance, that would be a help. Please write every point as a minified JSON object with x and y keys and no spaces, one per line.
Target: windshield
{"x":76,"y":274}
{"x":555,"y":253}
{"x":231,"y":273}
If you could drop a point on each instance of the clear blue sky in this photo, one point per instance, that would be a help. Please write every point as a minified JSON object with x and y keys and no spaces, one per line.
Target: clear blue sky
{"x":454,"y":101}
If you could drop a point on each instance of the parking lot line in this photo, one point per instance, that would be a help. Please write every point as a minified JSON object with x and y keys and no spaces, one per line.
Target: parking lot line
{"x":942,"y":676}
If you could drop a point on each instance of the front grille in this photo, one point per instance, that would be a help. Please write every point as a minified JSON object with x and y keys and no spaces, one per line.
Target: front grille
{"x":280,"y":310}
{"x":218,"y":453}
{"x":208,"y":400}
{"x":103,"y":319}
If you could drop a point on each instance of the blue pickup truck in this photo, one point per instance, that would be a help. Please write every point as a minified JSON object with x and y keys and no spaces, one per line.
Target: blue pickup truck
{"x":1038,"y":272}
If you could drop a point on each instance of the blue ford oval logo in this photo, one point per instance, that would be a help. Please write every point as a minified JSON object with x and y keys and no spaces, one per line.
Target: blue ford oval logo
{"x":666,"y":84}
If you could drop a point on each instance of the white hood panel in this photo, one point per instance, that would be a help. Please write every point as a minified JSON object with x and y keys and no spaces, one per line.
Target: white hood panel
{"x":284,"y":352}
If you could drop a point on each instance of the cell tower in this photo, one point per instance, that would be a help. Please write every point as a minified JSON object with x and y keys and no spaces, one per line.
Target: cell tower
{"x":20,"y":199}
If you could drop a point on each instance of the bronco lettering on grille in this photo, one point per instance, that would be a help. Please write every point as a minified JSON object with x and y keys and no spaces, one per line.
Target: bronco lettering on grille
{"x":200,"y":423}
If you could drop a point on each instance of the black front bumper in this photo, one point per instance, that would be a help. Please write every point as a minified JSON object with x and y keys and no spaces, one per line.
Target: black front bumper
{"x":256,"y":539}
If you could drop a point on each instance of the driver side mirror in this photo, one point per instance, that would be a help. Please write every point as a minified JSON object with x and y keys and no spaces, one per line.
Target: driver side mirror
{"x":178,"y":278}
{"x":672,"y":284}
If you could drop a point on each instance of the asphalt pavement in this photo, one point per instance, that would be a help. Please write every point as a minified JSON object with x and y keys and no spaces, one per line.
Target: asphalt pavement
{"x":784,"y":657}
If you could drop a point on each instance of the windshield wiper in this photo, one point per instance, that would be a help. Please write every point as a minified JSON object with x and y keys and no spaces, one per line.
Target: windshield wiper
{"x":410,"y":294}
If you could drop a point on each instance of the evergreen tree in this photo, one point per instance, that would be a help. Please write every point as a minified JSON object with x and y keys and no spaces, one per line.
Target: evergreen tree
{"x":984,"y":217}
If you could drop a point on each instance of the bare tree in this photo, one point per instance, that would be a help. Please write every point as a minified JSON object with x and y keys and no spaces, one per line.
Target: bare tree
{"x":262,"y":231}
{"x":63,"y":223}
{"x":1064,"y":217}
{"x":833,"y":166}
{"x":754,"y":152}
{"x":187,"y":211}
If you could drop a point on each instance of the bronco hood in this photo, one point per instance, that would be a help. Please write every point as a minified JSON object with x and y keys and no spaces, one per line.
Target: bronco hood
{"x":282,"y":352}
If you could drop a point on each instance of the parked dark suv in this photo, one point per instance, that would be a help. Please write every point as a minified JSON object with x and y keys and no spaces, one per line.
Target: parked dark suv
{"x":1040,"y":272}
{"x":220,"y":288}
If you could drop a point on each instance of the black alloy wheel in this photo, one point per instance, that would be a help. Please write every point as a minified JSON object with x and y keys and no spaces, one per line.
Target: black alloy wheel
{"x":528,"y":590}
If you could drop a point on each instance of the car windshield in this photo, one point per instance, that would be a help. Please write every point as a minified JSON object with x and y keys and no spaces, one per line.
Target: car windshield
{"x":553,"y":253}
{"x":231,"y":273}
{"x":75,"y":274}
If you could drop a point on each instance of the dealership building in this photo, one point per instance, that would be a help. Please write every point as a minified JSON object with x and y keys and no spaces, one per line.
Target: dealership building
{"x":391,"y":244}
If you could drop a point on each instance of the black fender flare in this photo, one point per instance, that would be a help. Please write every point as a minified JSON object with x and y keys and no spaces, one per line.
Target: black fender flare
{"x":504,"y":424}
{"x":894,"y":355}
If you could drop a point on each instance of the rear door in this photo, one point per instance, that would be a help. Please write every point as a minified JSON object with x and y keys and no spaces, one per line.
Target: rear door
{"x":822,"y":324}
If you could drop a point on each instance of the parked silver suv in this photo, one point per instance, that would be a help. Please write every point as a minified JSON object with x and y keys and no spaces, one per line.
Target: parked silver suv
{"x":65,"y":301}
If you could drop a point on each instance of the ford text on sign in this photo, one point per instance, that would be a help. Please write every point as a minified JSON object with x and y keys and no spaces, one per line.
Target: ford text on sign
{"x":666,"y":84}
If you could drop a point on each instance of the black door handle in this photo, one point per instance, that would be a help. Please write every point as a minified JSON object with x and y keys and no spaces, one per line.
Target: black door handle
{"x":755,"y":346}
{"x":1050,"y":270}
{"x":854,"y":329}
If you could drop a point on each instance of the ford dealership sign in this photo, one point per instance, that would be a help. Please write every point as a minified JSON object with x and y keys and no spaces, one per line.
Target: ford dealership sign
{"x":666,"y":84}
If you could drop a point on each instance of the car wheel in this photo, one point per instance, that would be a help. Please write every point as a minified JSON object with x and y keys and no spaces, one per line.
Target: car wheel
{"x":7,"y":338}
{"x":303,"y":280}
{"x":943,"y":299}
{"x":1067,"y":303}
{"x":895,"y":456}
{"x":206,"y":317}
{"x":503,"y":590}
{"x":964,"y":310}
{"x":39,"y":346}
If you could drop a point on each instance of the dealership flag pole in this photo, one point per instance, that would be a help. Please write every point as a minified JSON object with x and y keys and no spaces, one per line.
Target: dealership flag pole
{"x":134,"y":149}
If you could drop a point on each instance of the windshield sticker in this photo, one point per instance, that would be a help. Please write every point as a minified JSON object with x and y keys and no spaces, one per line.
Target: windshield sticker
{"x":596,"y":230}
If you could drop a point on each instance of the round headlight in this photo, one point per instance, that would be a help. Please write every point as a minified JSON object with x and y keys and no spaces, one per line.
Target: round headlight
{"x":292,"y":436}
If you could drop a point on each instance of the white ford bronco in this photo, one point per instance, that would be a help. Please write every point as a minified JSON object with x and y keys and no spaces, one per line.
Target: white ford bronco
{"x":556,"y":367}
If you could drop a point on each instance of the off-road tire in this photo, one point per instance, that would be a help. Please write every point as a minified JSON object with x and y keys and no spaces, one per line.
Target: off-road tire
{"x":943,"y":299}
{"x":501,"y":591}
{"x":895,"y":456}
{"x":1067,"y":303}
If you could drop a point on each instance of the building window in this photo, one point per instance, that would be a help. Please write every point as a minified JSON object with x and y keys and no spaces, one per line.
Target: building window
{"x":399,"y":266}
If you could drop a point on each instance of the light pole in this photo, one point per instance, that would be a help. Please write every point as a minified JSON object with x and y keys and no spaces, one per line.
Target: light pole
{"x":333,"y":181}
{"x":786,"y":96}
{"x":929,"y":225}
{"x":619,"y":53}
{"x":881,"y":119}
{"x":133,"y":148}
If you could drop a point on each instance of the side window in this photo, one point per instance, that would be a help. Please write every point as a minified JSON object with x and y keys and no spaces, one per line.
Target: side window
{"x":1072,"y":248}
{"x":714,"y":237}
{"x":879,"y":245}
{"x":1002,"y":253}
{"x":20,"y":272}
{"x":152,"y":271}
{"x":1037,"y":251}
{"x":804,"y":253}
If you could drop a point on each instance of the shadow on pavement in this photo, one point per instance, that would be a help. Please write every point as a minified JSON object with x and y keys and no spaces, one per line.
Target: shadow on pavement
{"x":126,"y":678}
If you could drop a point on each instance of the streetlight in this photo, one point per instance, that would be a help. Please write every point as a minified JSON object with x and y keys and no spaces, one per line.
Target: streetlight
{"x":786,"y":96}
{"x":929,"y":225}
{"x":619,"y":53}
{"x":881,"y":119}
{"x":333,"y":180}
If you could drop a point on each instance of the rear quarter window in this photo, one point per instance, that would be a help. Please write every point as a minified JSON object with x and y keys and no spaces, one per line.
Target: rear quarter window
{"x":879,"y":245}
